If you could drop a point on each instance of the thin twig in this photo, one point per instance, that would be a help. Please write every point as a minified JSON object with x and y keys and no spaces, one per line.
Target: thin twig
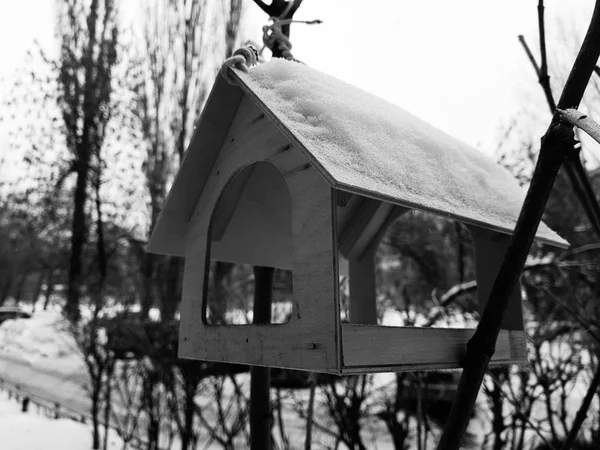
{"x":529,"y":55}
{"x":557,"y":143}
{"x":522,"y":416}
{"x":544,"y":63}
{"x":582,"y":412}
{"x":582,"y":121}
{"x":310,"y":411}
{"x":586,"y":325}
{"x":573,"y":165}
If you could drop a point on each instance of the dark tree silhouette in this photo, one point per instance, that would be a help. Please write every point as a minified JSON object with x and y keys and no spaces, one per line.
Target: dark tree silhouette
{"x":88,"y":53}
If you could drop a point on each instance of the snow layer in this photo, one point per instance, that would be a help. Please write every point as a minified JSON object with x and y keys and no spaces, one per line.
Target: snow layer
{"x":370,"y":146}
{"x":30,"y":431}
{"x":42,"y":341}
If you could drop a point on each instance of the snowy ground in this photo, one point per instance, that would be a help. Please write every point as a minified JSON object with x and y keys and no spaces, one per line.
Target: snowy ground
{"x":34,"y":431}
{"x":40,"y":356}
{"x":41,"y":342}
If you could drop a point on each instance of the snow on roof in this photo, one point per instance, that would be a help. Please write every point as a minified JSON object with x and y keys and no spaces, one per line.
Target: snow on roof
{"x":364,"y":144}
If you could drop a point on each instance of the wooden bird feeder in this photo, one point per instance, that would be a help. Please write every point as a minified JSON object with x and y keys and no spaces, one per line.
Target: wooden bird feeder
{"x":294,"y":169}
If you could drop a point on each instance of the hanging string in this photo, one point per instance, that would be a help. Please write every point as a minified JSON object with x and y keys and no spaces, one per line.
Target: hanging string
{"x":274,"y":38}
{"x":242,"y":58}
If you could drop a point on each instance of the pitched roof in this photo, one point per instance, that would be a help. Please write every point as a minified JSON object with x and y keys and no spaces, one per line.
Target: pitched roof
{"x":366,"y":145}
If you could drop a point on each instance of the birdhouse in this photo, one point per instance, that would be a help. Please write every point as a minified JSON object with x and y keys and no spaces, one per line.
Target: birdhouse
{"x":291,"y":168}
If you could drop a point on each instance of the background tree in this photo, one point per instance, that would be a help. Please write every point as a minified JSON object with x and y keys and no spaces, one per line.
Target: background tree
{"x":88,"y":36}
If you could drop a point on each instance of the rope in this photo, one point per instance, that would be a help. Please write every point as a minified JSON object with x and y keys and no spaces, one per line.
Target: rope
{"x":273,"y":36}
{"x":242,"y":58}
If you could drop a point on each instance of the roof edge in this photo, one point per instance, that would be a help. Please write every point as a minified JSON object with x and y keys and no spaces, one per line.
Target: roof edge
{"x":169,"y":233}
{"x":284,"y":130}
{"x":558,"y":242}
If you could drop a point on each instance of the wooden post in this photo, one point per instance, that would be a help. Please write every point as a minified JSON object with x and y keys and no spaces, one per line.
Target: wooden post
{"x":490,"y":250}
{"x":363,"y":307}
{"x":260,"y":377}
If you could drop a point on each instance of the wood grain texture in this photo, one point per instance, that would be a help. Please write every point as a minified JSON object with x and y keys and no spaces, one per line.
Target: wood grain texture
{"x":307,"y":341}
{"x":168,"y":236}
{"x":229,"y":202}
{"x":259,"y":219}
{"x":380,"y":349}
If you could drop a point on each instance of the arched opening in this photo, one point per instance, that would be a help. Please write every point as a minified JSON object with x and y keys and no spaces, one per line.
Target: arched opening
{"x":251,"y":225}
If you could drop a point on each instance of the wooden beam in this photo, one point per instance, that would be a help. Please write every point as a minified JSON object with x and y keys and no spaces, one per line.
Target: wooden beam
{"x":363,"y":305}
{"x":342,"y":197}
{"x":490,"y":249}
{"x":363,"y":227}
{"x":309,"y":341}
{"x":367,"y":348}
{"x":361,"y":265}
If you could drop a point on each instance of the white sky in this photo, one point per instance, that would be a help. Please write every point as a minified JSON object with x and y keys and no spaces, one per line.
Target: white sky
{"x":457,"y":65}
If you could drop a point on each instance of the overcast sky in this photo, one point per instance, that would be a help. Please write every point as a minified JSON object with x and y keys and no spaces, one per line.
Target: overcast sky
{"x":457,"y":65}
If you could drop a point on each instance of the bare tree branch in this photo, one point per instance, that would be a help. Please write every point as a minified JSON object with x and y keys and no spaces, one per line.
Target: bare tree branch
{"x":529,"y":54}
{"x":262,"y":5}
{"x":582,"y":412}
{"x":557,"y":143}
{"x":573,"y":165}
{"x":543,"y":72}
{"x":582,"y":121}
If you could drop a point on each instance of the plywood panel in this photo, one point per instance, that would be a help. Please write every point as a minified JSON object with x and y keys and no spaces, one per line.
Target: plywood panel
{"x":308,"y":340}
{"x":229,"y":202}
{"x":259,"y":222}
{"x":371,"y":348}
{"x":356,"y":228}
{"x":168,"y":236}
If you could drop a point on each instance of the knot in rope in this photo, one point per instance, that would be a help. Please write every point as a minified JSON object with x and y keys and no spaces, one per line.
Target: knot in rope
{"x":242,"y":58}
{"x":273,"y":38}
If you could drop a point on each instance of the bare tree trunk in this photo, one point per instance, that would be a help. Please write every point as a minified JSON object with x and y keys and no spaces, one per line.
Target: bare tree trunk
{"x":497,"y":409}
{"x":557,"y":143}
{"x":310,"y":411}
{"x":49,"y":288}
{"x":5,"y":289}
{"x":95,"y":415}
{"x":107,"y":403}
{"x":232,"y":26}
{"x":43,"y":275}
{"x":172,"y":293}
{"x":20,"y":286}
{"x":78,"y":238}
{"x":147,"y":294}
{"x":88,"y":35}
{"x":187,"y":437}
